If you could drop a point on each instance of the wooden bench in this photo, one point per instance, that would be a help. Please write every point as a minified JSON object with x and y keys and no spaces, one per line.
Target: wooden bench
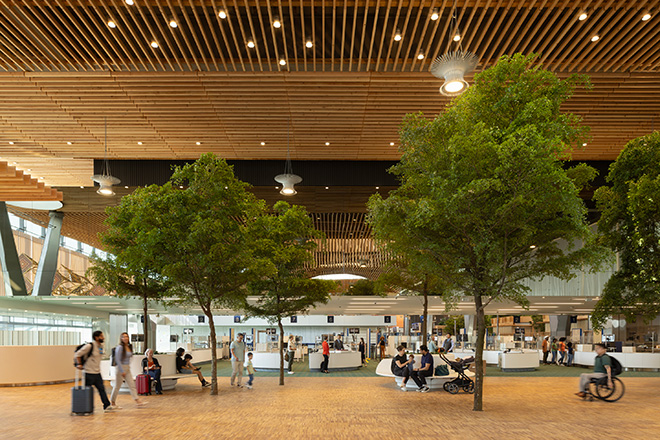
{"x":434,"y":382}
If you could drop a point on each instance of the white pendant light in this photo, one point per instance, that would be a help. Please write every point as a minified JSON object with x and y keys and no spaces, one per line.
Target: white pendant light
{"x":288,"y":179}
{"x":452,"y":67}
{"x":105,"y":179}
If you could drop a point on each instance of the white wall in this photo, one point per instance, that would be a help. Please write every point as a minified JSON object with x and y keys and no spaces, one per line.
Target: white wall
{"x":36,"y":364}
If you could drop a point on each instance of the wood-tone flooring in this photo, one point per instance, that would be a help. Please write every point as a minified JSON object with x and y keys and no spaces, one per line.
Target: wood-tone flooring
{"x":341,"y":408}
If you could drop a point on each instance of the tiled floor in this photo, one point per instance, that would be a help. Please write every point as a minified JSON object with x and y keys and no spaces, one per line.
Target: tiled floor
{"x":332,"y":407}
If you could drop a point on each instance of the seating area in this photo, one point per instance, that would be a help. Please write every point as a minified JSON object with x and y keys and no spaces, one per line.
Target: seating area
{"x":434,"y":382}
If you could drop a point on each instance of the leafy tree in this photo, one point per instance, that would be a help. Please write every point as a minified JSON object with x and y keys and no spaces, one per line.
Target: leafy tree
{"x":453,"y":323}
{"x":538,"y":325}
{"x":629,"y":225}
{"x":195,"y":228}
{"x":365,"y":288}
{"x":283,"y":246}
{"x":483,"y":191}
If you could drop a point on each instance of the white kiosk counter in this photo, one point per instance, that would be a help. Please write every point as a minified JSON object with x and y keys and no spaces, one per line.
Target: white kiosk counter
{"x":262,"y":361}
{"x":338,"y":361}
{"x":519,"y":361}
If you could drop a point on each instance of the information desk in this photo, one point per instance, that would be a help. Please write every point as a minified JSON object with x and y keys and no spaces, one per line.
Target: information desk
{"x":519,"y":361}
{"x":263,"y":361}
{"x":338,"y":361}
{"x":649,"y":361}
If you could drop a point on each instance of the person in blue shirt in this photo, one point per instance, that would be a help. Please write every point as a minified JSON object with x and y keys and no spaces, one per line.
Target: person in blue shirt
{"x":425,"y":370}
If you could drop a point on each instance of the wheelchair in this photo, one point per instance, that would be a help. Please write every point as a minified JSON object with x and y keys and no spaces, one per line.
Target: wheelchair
{"x":599,"y":389}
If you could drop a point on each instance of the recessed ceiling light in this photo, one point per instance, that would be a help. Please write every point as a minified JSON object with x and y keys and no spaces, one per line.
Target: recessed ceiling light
{"x":11,"y":142}
{"x":29,"y":169}
{"x":250,"y":44}
{"x":420,"y":56}
{"x":69,"y":143}
{"x":583,"y":16}
{"x":282,"y":62}
{"x":595,"y":38}
{"x":130,"y":2}
{"x":378,"y":187}
{"x":198,"y":143}
{"x":533,"y":246}
{"x":435,"y":16}
{"x":277,"y":24}
{"x":112,"y":24}
{"x":584,"y":144}
{"x":391,"y":144}
{"x":327,"y":187}
{"x":173,"y":24}
{"x":309,"y":44}
{"x":397,"y":36}
{"x":222,"y":14}
{"x":139,"y":143}
{"x":327,"y":144}
{"x":646,"y":17}
{"x":154,"y":45}
{"x":277,"y":187}
{"x":457,"y":37}
{"x":81,"y":186}
{"x":181,"y":186}
{"x":126,"y":186}
{"x":263,"y":143}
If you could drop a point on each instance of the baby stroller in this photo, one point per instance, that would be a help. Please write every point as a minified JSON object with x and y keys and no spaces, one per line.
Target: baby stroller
{"x":462,"y":381}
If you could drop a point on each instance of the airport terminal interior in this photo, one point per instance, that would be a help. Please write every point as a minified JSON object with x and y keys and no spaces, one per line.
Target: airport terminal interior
{"x":305,"y":100}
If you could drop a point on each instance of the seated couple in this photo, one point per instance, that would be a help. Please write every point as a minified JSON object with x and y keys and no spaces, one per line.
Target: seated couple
{"x":403,"y":366}
{"x":185,"y":366}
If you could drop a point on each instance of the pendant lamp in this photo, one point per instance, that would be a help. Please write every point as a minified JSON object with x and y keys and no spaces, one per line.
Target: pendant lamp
{"x":105,"y":179}
{"x":288,"y":179}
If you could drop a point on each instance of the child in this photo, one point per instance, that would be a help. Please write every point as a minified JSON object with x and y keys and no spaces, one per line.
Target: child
{"x":250,"y":370}
{"x":411,"y":362}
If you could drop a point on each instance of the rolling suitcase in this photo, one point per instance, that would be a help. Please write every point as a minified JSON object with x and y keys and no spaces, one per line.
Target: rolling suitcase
{"x":82,"y":397}
{"x":143,"y":384}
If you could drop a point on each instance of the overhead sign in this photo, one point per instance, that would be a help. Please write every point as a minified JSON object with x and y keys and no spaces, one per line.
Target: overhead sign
{"x":271,"y":331}
{"x":353,"y":330}
{"x":187,"y":331}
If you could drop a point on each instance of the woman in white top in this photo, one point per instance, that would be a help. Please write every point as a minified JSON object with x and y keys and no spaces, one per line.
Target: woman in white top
{"x":291,"y":349}
{"x":122,"y":355}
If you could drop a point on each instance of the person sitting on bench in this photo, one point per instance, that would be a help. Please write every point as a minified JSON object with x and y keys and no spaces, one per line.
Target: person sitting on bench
{"x":184,"y":366}
{"x":151,"y":367}
{"x":425,"y":370}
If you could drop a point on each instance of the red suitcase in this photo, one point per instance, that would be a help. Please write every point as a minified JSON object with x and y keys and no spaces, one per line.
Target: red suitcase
{"x":143,"y":384}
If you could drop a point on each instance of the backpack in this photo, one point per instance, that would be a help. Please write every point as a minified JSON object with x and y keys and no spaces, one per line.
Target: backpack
{"x":441,"y":370}
{"x":84,"y":357}
{"x":113,"y":360}
{"x":616,"y":366}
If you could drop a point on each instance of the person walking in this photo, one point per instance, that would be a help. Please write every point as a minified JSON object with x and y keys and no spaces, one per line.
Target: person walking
{"x":237,"y":349}
{"x":361,"y":349}
{"x":291,"y":352}
{"x":250,"y":371}
{"x":122,"y":355}
{"x":92,"y":366}
{"x":381,"y":347}
{"x":554,"y":348}
{"x":432,"y":347}
{"x":151,"y":366}
{"x":546,"y":349}
{"x":562,"y":351}
{"x":326,"y":355}
{"x":569,"y":350}
{"x":448,"y":345}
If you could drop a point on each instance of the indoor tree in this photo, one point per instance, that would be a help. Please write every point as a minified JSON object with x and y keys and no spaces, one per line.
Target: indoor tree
{"x":283,"y":246}
{"x":484,"y":193}
{"x":629,"y":225}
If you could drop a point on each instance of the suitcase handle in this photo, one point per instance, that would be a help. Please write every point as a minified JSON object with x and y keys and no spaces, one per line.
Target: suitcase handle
{"x":79,"y":384}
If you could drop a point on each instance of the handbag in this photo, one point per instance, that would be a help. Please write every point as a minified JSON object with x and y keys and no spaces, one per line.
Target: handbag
{"x":286,"y":357}
{"x":441,"y":370}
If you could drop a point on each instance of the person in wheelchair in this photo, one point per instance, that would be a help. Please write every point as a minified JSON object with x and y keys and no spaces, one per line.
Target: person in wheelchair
{"x":602,"y":368}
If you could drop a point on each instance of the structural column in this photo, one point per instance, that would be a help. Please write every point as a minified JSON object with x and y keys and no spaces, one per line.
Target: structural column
{"x":43,"y":281}
{"x":12,"y":274}
{"x":560,"y":325}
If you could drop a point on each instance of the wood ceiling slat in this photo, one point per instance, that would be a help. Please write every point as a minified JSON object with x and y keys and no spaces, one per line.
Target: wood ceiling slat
{"x":143,"y":40}
{"x":384,"y":33}
{"x":244,"y":36}
{"x":395,"y":24}
{"x":332,"y":41}
{"x":283,"y":34}
{"x":525,"y":32}
{"x":98,"y":34}
{"x":163,"y":40}
{"x":418,"y":49}
{"x":579,"y":35}
{"x":208,"y":13}
{"x":216,"y":12}
{"x":353,"y":38}
{"x":303,"y":35}
{"x":293,"y":35}
{"x":504,"y":48}
{"x":541,"y":27}
{"x":399,"y":46}
{"x":17,"y":50}
{"x":84,"y":41}
{"x":198,"y":46}
{"x":642,"y":55}
{"x":410,"y":41}
{"x":103,"y":17}
{"x":264,"y":36}
{"x":427,"y":51}
{"x":122,"y":25}
{"x":36,"y":36}
{"x":314,"y":47}
{"x":496,"y":32}
{"x":204,"y":30}
{"x":374,"y":27}
{"x":343,"y":37}
{"x":363,"y":33}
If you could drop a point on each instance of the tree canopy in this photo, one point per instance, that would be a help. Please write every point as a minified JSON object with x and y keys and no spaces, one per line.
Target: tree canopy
{"x":630,"y":226}
{"x":484,"y":193}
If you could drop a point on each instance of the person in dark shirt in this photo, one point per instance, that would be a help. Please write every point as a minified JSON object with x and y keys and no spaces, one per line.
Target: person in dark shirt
{"x":185,"y":366}
{"x":400,"y":364}
{"x":339,"y":345}
{"x":425,"y":370}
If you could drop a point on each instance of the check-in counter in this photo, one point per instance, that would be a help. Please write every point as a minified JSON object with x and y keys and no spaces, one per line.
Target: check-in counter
{"x":628,"y":360}
{"x":490,"y":356}
{"x":265,"y":361}
{"x":519,"y":360}
{"x":338,"y":360}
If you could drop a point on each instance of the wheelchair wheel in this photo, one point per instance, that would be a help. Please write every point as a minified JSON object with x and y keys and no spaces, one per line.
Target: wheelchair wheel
{"x":469,"y":387}
{"x":610,"y":394}
{"x":452,"y":388}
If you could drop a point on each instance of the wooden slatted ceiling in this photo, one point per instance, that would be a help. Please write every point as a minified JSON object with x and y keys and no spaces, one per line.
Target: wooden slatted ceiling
{"x":349,"y":35}
{"x":17,"y":186}
{"x":232,"y":113}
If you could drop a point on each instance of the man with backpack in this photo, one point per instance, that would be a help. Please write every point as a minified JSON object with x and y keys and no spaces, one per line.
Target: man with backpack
{"x":602,"y":368}
{"x":88,"y":358}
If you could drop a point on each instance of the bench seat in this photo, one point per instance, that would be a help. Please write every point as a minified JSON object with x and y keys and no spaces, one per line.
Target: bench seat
{"x":434,"y":382}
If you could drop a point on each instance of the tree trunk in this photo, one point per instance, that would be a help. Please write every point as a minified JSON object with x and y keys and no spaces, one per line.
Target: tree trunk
{"x":479,"y":354}
{"x":214,"y":355}
{"x":426,"y":310}
{"x":279,"y":324}
{"x":145,"y":329}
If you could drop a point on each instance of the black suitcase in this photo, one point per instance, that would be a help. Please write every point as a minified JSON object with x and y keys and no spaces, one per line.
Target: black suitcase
{"x":82,"y":398}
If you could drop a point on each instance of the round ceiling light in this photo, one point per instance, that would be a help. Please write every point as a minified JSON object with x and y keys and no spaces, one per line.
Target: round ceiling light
{"x":452,"y":67}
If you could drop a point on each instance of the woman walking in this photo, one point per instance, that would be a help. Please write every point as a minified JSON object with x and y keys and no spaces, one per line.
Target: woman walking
{"x":362,"y":348}
{"x":122,"y":355}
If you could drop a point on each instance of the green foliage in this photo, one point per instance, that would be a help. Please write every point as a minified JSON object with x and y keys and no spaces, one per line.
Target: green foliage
{"x":283,"y":245}
{"x":454,"y":321}
{"x":537,"y":323}
{"x":483,"y":192}
{"x":629,"y":225}
{"x":365,"y":288}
